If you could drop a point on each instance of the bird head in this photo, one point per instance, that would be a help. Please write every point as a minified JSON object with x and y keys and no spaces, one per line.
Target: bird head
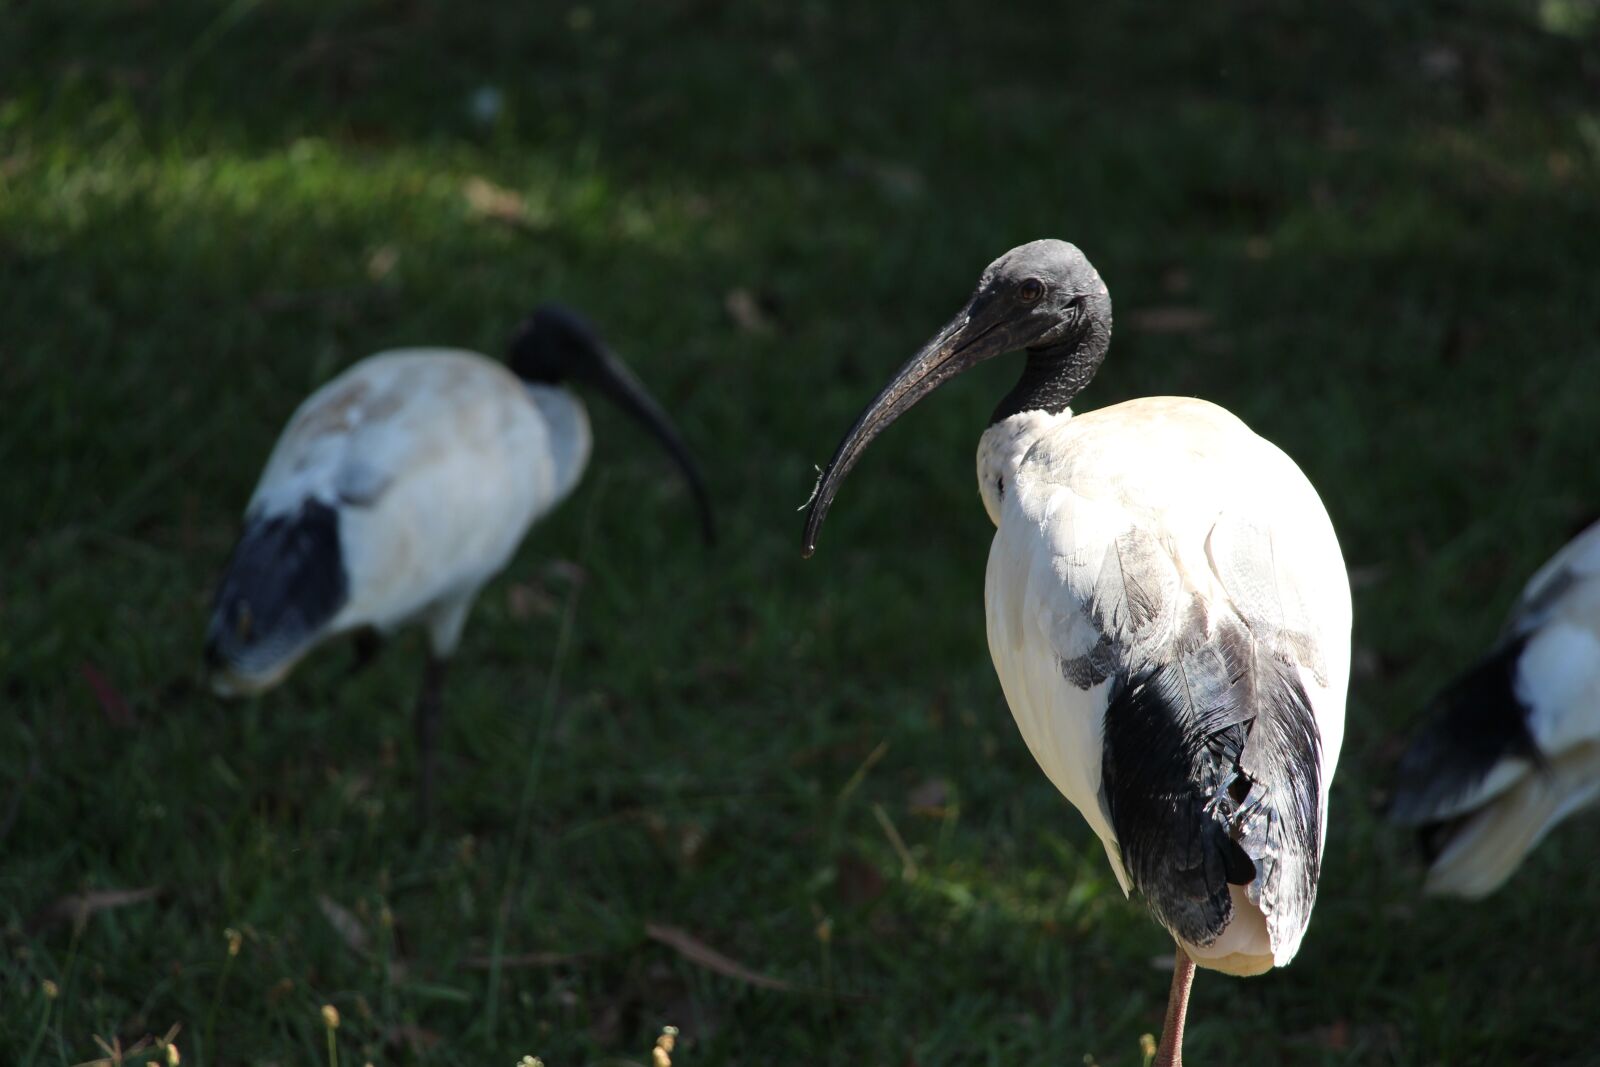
{"x":1043,"y":297}
{"x":555,"y":346}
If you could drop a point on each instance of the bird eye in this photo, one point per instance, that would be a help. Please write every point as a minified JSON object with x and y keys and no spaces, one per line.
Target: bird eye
{"x":1031,"y":290}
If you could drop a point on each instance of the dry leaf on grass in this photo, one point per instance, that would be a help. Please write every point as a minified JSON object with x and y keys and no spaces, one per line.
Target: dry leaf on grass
{"x":698,"y":952}
{"x":1335,"y":1037}
{"x":931,"y":798}
{"x":684,"y":841}
{"x":80,"y":906}
{"x":857,"y":881}
{"x":497,"y":203}
{"x":1366,"y":576}
{"x":1365,"y":663}
{"x":524,"y":600}
{"x":112,"y":702}
{"x":567,"y":571}
{"x":744,"y":308}
{"x":382,"y":262}
{"x":409,"y":1036}
{"x":344,"y":922}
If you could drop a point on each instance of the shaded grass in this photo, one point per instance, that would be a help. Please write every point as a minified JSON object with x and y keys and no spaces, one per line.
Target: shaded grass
{"x":1387,"y":216}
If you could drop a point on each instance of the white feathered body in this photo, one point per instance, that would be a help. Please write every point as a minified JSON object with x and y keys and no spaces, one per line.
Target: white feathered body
{"x":1130,"y":534}
{"x":433,"y":464}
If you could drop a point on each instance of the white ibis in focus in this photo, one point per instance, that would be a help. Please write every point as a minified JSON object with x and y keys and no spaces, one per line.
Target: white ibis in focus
{"x":1514,"y":743}
{"x":1168,"y":612}
{"x":401,"y":487}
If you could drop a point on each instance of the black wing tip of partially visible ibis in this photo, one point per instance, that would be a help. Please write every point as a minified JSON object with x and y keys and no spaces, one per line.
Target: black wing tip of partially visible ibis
{"x":1477,"y":721}
{"x":284,"y":581}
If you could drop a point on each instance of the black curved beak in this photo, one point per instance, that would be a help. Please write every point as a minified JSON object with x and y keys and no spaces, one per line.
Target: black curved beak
{"x":610,"y":376}
{"x":965,"y":341}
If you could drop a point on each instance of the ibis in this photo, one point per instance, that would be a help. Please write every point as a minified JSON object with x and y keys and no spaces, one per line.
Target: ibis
{"x":1513,"y":744}
{"x":1168,"y":613}
{"x":401,"y":487}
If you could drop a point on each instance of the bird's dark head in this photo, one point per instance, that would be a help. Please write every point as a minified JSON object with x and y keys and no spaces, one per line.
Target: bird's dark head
{"x":556,"y":345}
{"x":553,"y":346}
{"x":1040,"y":296}
{"x":1043,"y":297}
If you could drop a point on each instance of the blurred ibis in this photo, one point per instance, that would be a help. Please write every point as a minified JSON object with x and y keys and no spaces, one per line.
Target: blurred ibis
{"x":1513,"y":746}
{"x":401,"y":487}
{"x":1168,"y":613}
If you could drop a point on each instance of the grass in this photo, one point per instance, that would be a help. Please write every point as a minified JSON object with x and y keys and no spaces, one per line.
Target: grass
{"x":1377,"y":220}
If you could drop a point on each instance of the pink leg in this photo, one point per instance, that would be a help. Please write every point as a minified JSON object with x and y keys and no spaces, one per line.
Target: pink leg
{"x":1170,"y":1051}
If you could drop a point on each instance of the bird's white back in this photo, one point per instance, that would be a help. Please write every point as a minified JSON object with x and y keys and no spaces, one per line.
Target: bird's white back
{"x":1180,"y":500}
{"x":438,"y":461}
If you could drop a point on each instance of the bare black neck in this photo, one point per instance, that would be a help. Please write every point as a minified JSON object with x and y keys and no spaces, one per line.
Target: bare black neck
{"x":1051,"y":377}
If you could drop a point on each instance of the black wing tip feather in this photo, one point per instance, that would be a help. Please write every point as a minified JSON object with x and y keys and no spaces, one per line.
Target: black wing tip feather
{"x":1176,"y":853}
{"x":284,"y":581}
{"x":1475,"y":722}
{"x":1211,"y":773}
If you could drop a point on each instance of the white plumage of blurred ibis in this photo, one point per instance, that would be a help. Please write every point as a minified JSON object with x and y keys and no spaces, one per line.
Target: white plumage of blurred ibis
{"x":1513,"y":746}
{"x":1168,"y":613}
{"x":401,"y":487}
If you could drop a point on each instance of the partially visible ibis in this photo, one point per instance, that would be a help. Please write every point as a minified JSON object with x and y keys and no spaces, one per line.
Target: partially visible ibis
{"x":1168,"y":612}
{"x":405,"y":484}
{"x":1513,"y":744}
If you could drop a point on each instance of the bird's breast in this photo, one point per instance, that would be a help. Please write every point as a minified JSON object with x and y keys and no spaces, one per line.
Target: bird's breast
{"x":1002,"y":450}
{"x":1061,"y":723}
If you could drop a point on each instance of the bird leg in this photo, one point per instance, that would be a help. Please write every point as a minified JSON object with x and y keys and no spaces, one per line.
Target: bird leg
{"x":429,"y":710}
{"x":1170,"y":1052}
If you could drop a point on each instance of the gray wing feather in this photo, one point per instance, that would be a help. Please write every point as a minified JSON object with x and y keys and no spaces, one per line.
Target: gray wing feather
{"x":1212,"y":757}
